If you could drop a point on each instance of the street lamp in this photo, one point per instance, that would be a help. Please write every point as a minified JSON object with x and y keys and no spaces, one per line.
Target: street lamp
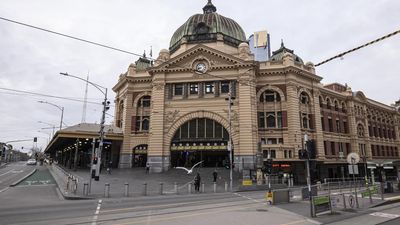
{"x":230,"y":102}
{"x":59,"y":107}
{"x":52,"y":125}
{"x":103,"y":116}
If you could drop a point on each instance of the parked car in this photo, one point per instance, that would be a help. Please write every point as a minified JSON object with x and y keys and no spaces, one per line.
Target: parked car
{"x":31,"y":162}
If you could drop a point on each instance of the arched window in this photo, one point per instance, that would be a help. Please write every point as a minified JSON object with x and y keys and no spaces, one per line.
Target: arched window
{"x":144,"y":101}
{"x":328,"y":103}
{"x":271,"y":120}
{"x":344,"y":107}
{"x":336,"y":105}
{"x":360,"y":130}
{"x":270,"y":96}
{"x":145,"y":124}
{"x":304,"y":98}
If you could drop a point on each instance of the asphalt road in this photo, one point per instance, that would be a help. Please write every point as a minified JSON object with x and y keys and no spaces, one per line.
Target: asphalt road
{"x":37,"y":201}
{"x":13,"y":172}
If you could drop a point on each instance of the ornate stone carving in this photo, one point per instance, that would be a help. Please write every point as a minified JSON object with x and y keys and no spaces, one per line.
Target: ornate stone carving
{"x":244,"y":51}
{"x":162,"y":57}
{"x":158,"y":86}
{"x":170,"y":116}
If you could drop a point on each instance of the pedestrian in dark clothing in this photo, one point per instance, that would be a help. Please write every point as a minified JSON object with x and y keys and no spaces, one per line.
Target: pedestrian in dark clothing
{"x":147,"y":167}
{"x":215,"y":175}
{"x":197,"y":180}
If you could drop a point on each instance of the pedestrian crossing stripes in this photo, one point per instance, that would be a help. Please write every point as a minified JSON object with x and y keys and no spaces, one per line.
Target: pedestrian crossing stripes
{"x":385,"y":215}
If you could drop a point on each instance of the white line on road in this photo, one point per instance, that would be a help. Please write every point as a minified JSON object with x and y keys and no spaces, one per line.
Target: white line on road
{"x":10,"y":171}
{"x":385,"y":215}
{"x":96,"y":213}
{"x":5,"y":189}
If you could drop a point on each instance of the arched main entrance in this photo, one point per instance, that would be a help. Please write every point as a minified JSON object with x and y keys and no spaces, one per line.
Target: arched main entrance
{"x":139,"y":158}
{"x":200,"y":139}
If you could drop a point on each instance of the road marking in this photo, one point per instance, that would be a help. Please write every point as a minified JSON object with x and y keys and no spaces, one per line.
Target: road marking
{"x":385,"y":215}
{"x":10,"y":171}
{"x":96,"y":213}
{"x":5,"y":189}
{"x":255,"y":200}
{"x":153,"y":206}
{"x":190,"y":215}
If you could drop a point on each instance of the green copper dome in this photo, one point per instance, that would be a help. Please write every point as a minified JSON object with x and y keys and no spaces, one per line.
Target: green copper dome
{"x":205,"y":27}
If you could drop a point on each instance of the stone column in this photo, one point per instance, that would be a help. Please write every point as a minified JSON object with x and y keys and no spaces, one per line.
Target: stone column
{"x":125,"y":155}
{"x":293,"y":118}
{"x":157,"y":156}
{"x":244,"y":157}
{"x":352,"y":127}
{"x":319,"y":137}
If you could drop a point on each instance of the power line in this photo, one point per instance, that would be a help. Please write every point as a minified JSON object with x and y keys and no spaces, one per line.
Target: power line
{"x":359,"y":47}
{"x":20,"y":92}
{"x":72,"y":37}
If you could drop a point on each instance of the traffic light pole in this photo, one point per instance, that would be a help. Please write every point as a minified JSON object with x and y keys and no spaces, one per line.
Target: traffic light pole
{"x":308,"y":173}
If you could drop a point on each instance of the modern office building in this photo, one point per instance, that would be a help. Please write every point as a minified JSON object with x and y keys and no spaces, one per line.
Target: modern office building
{"x":260,"y":45}
{"x":173,"y":111}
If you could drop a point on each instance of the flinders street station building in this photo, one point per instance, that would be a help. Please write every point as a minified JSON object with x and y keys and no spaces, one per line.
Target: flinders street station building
{"x":207,"y":89}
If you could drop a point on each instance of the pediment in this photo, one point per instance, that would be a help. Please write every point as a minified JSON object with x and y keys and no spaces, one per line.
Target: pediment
{"x":214,"y":59}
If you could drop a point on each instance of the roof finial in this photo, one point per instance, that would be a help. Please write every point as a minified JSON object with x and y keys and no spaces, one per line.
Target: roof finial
{"x":282,"y":45}
{"x":209,"y":8}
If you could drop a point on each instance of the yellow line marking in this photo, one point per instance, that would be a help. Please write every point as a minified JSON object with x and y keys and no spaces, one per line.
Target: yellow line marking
{"x":189,"y":215}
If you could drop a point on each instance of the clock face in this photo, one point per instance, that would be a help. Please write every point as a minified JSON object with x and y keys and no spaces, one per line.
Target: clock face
{"x":201,"y":67}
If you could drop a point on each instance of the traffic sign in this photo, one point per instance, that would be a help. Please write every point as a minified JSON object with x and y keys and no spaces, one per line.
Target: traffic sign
{"x":353,"y":158}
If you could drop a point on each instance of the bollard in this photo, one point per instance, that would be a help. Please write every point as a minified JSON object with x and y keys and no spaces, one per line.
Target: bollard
{"x":144,"y":189}
{"x":161,"y":188}
{"x":190,"y":188}
{"x":107,"y":190}
{"x":215,"y":187}
{"x":126,"y":189}
{"x":176,"y":188}
{"x":202,"y":188}
{"x":85,"y":188}
{"x":68,"y":181}
{"x":74,"y":185}
{"x":344,"y":201}
{"x":226,"y":186}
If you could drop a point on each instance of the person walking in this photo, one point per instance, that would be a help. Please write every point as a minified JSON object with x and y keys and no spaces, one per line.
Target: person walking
{"x":197,"y":180}
{"x":147,"y":167}
{"x":215,"y":175}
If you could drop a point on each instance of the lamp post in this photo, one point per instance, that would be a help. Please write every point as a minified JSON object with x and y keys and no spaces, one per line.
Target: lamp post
{"x":59,"y":107}
{"x":308,"y":173}
{"x":103,"y":116}
{"x":229,"y":99}
{"x":52,"y":126}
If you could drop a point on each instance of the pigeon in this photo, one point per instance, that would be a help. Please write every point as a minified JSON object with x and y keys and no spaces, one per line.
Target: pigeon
{"x":191,"y":170}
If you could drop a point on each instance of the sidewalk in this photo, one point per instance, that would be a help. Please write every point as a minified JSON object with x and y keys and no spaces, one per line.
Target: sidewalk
{"x":136,"y":177}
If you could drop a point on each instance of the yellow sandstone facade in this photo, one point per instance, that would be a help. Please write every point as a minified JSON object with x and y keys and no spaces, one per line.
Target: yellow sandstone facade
{"x":173,"y":110}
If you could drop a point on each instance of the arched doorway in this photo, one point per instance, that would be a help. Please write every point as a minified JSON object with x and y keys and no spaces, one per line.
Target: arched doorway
{"x":200,"y":139}
{"x":139,"y":158}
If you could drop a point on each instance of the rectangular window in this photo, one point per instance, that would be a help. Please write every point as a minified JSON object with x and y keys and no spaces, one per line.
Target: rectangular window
{"x":271,"y":120}
{"x":333,"y":149}
{"x":146,"y":101}
{"x":325,"y":148}
{"x":271,"y":141}
{"x":280,"y":141}
{"x":330,"y":125}
{"x":263,"y":141}
{"x":279,"y":119}
{"x":209,"y":88}
{"x":322,"y":124}
{"x":337,"y":126}
{"x":194,"y":88}
{"x":261,"y":123}
{"x":225,"y":87}
{"x":290,"y":153}
{"x":273,"y":154}
{"x":178,"y":89}
{"x":345,"y":127}
{"x":285,"y":154}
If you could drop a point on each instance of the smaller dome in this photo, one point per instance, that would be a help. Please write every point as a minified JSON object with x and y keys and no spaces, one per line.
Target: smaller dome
{"x":278,"y":54}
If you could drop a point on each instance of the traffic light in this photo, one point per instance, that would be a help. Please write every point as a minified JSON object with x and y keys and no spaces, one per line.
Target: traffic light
{"x":303,"y":154}
{"x":267,"y":168}
{"x":311,"y":149}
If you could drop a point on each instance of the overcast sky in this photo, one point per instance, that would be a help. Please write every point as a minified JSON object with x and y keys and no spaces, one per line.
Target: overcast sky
{"x":31,"y":60}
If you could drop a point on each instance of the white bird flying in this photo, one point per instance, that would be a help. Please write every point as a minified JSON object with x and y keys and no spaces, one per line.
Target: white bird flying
{"x":191,"y":170}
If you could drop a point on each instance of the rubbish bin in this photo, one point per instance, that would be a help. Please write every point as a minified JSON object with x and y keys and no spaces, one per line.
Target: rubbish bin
{"x":389,"y":187}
